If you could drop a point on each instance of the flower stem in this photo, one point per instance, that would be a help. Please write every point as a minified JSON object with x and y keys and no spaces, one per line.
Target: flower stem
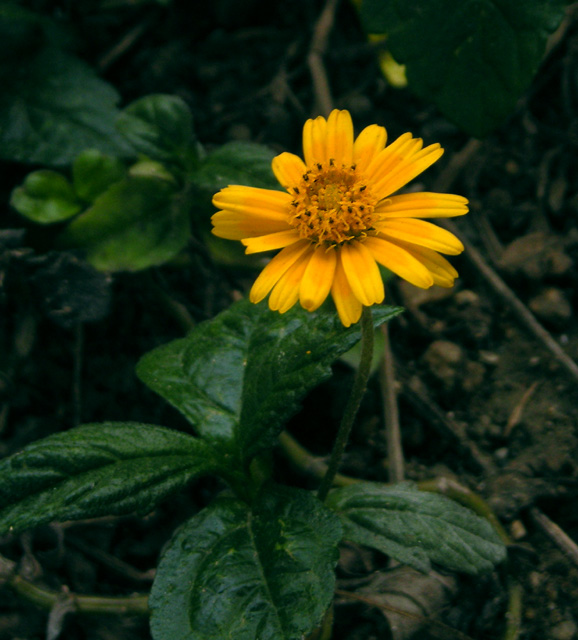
{"x":353,"y":403}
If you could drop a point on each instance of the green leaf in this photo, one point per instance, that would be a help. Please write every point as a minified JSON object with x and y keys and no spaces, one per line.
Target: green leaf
{"x":93,"y":172}
{"x":416,"y":527}
{"x":233,"y":572}
{"x":137,"y":223}
{"x":111,"y":468}
{"x":160,"y":126}
{"x":474,"y":59}
{"x":242,"y":375}
{"x":52,"y":107}
{"x":45,"y":197}
{"x":243,"y":163}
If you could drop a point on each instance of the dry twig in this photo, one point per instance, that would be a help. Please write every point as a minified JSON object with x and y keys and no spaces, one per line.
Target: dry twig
{"x":556,"y":534}
{"x":523,"y":314}
{"x":321,"y":89}
{"x":521,"y":311}
{"x":124,"y":45}
{"x":390,"y":412}
{"x":518,"y":411}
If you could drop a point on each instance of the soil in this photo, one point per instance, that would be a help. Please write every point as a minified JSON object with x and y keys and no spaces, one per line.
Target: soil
{"x":482,"y":401}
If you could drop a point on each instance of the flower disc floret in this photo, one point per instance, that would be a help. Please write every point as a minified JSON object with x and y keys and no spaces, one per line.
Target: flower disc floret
{"x":332,"y":205}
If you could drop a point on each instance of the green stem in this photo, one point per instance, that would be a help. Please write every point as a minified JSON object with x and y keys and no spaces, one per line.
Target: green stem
{"x":47,"y":598}
{"x":352,"y":407}
{"x":515,"y":610}
{"x":309,"y":464}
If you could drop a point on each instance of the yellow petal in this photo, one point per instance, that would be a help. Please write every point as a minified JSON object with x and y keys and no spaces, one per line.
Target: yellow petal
{"x":318,"y":278}
{"x":286,"y":292}
{"x":229,"y":225}
{"x":367,"y":145}
{"x":423,"y":205}
{"x":271,"y":241}
{"x":288,"y":169}
{"x":389,"y":158}
{"x":340,"y":138}
{"x":406,"y":170}
{"x":362,"y":273}
{"x":442,"y":271}
{"x":248,"y":211}
{"x":259,"y":202}
{"x":314,"y":141}
{"x":422,"y":233}
{"x":347,"y":305}
{"x":400,"y":261}
{"x":276,"y":268}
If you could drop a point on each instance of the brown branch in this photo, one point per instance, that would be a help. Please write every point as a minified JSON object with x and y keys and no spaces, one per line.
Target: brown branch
{"x":520,"y":310}
{"x":516,"y":415}
{"x":321,"y":89}
{"x":556,"y":534}
{"x":390,"y":412}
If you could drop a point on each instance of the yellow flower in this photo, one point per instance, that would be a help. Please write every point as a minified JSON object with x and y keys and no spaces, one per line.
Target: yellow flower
{"x":339,"y":219}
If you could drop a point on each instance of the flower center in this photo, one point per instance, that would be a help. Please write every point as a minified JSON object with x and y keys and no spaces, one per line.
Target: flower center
{"x":332,"y":205}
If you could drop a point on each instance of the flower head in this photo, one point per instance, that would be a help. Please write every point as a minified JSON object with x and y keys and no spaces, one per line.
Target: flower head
{"x":338,"y":219}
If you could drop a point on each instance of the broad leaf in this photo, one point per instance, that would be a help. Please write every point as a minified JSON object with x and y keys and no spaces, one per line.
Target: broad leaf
{"x":473,"y":59}
{"x":94,"y":172}
{"x":96,"y":470}
{"x":52,"y":107}
{"x":242,"y":375}
{"x":243,"y":163}
{"x":160,"y":126}
{"x":416,"y":527}
{"x":46,"y":197}
{"x":233,"y":572}
{"x":137,"y":223}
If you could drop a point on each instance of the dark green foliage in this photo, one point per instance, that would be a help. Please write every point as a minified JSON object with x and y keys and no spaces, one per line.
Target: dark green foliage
{"x":241,"y":572}
{"x":416,"y":527}
{"x":474,"y":58}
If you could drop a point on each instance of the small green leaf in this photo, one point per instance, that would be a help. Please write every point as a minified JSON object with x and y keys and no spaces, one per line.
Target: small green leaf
{"x":45,"y":197}
{"x":242,"y":375}
{"x":96,"y":470}
{"x":243,"y":163}
{"x":290,"y":354}
{"x":52,"y":107}
{"x":137,"y":223}
{"x":233,"y":572}
{"x":93,"y":172}
{"x":473,"y":59}
{"x":160,"y":126}
{"x":416,"y":527}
